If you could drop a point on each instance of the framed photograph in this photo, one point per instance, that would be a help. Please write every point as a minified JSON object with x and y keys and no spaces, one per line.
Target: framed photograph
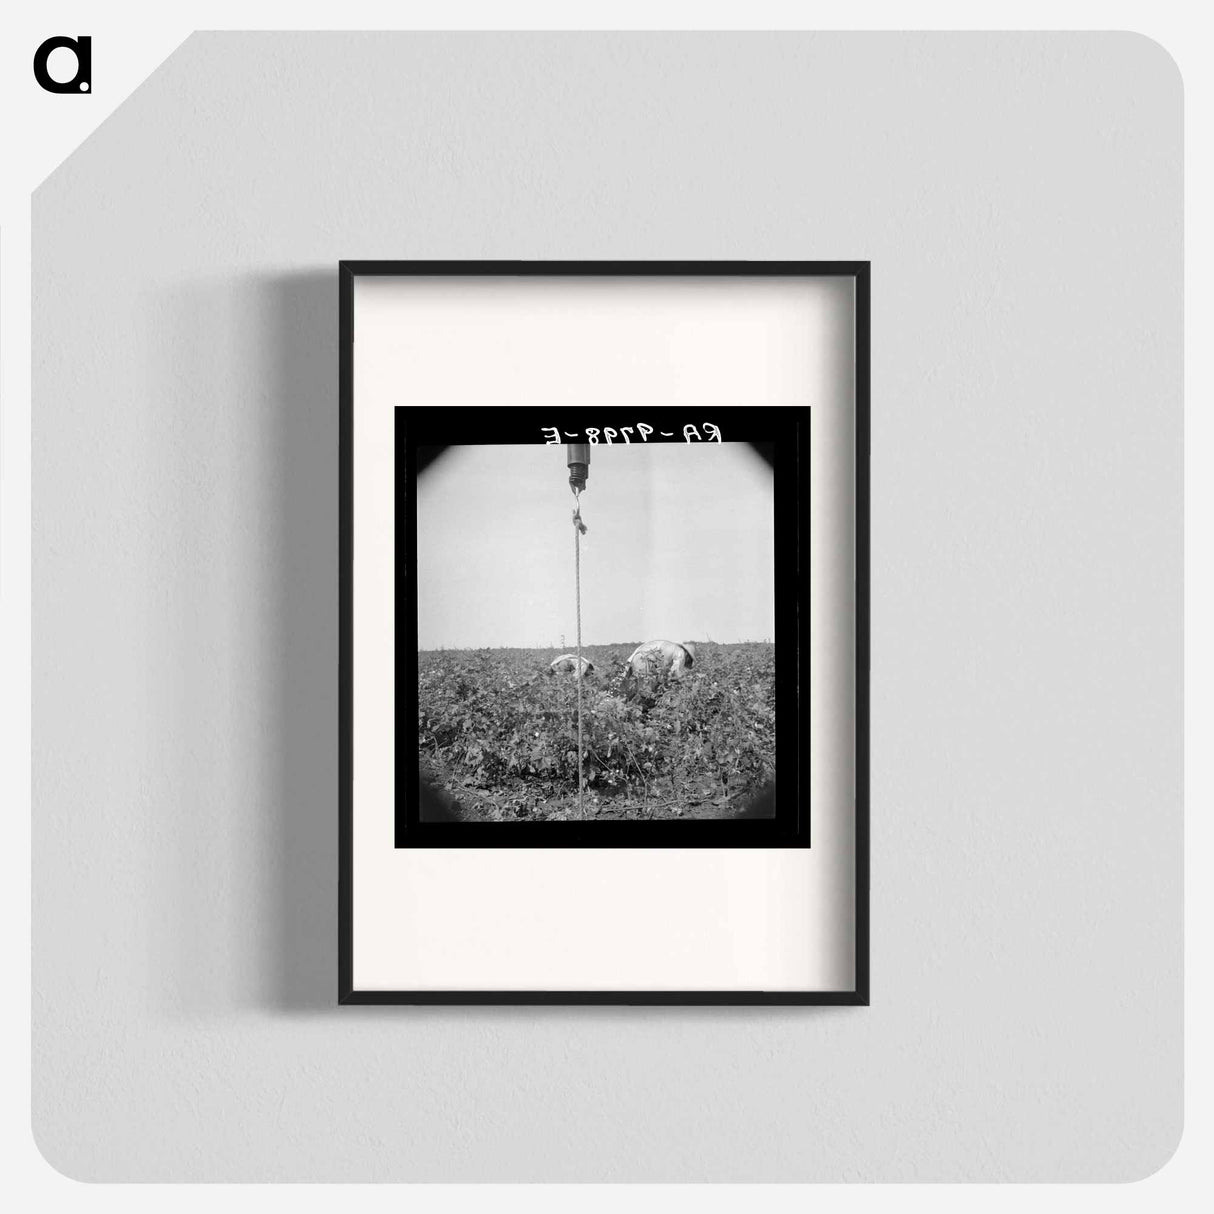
{"x":604,"y":632}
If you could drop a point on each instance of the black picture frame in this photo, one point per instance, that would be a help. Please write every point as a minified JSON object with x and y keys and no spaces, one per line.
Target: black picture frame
{"x":777,"y":831}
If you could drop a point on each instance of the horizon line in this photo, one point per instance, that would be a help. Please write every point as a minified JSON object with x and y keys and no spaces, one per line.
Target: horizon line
{"x":594,"y":644}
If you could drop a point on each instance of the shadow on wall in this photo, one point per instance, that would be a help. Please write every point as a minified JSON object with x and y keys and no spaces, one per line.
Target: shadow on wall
{"x":300,"y":939}
{"x":233,"y":474}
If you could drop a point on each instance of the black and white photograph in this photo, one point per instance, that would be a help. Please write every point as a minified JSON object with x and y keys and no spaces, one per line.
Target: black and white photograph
{"x":596,"y":628}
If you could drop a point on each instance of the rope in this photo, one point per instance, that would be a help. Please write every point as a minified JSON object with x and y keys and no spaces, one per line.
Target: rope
{"x":577,"y":582}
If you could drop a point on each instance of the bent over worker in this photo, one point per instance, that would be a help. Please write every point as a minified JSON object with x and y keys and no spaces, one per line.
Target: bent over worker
{"x":654,"y":662}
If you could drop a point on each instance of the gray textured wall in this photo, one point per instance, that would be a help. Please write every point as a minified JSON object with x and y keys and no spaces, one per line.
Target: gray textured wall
{"x":1020,"y":199}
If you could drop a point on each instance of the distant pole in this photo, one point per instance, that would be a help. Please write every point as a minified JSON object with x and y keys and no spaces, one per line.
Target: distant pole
{"x":578,"y":461}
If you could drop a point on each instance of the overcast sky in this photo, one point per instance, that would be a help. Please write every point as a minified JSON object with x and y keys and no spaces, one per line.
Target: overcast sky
{"x":680,"y":545}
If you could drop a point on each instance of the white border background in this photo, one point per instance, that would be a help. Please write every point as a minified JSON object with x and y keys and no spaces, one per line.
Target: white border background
{"x":605,"y":918}
{"x":44,"y":138}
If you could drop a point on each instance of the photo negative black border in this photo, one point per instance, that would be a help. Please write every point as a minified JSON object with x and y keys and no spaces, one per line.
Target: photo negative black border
{"x":587,"y":834}
{"x":778,"y":815}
